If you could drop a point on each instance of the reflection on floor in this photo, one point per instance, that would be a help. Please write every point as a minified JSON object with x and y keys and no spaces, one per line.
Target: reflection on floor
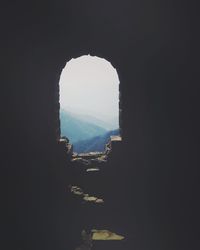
{"x":96,"y":235}
{"x":86,"y":197}
{"x":96,"y":201}
{"x":105,"y":235}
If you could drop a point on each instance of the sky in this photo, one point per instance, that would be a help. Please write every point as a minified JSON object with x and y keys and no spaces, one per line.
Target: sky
{"x":90,"y":85}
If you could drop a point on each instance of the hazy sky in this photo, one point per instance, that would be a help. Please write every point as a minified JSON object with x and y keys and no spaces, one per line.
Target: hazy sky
{"x":90,"y":85}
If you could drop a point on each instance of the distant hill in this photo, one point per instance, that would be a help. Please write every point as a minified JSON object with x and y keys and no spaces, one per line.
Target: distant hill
{"x":110,"y":124}
{"x":76,"y":128}
{"x":96,"y":143}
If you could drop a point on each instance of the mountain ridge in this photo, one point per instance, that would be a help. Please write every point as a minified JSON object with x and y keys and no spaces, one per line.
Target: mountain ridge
{"x":96,"y":143}
{"x":77,"y":129}
{"x":106,"y":123}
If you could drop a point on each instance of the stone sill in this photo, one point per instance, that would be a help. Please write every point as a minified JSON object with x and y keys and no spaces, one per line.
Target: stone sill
{"x":114,"y":142}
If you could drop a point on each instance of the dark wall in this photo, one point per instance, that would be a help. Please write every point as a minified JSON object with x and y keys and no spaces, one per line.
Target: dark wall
{"x":154,"y":47}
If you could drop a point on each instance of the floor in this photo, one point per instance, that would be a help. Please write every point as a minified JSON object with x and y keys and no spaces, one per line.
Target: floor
{"x":88,"y":191}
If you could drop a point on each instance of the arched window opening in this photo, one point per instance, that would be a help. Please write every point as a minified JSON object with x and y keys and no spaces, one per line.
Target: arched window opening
{"x":89,"y":103}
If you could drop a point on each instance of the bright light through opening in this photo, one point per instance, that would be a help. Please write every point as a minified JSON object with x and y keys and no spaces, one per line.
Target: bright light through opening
{"x":89,"y":91}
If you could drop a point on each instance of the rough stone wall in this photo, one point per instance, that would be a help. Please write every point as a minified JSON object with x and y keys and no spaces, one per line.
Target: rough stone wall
{"x":153,"y":46}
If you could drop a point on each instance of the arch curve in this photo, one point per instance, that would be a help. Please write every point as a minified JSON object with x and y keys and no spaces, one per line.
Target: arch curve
{"x":104,"y":56}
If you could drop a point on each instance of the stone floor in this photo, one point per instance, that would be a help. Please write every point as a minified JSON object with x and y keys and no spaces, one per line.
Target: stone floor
{"x":94,"y":237}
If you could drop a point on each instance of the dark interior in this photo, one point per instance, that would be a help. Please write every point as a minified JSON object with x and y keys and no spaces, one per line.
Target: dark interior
{"x":152,"y":183}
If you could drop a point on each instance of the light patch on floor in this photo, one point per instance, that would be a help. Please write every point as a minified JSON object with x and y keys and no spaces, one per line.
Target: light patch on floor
{"x":92,"y":199}
{"x":105,"y":235}
{"x":92,"y":169}
{"x":86,"y":197}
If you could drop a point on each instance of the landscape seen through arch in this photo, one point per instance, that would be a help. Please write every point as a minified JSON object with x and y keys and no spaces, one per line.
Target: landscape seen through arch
{"x":89,"y":103}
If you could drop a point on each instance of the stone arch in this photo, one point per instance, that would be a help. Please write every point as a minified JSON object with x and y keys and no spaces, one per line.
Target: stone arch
{"x":113,"y":63}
